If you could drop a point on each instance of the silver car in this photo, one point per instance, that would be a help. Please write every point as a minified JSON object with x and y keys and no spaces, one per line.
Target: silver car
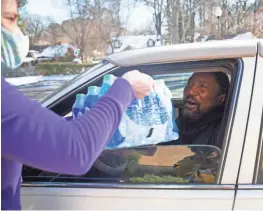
{"x":168,"y":177}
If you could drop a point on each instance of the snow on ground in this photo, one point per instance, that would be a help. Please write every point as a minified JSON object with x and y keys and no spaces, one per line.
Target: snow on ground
{"x":18,"y":81}
{"x":58,"y":50}
{"x":247,"y":35}
{"x":23,"y":80}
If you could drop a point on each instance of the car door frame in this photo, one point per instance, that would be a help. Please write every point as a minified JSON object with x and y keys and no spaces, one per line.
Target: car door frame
{"x":219,"y":195}
{"x":249,"y":193}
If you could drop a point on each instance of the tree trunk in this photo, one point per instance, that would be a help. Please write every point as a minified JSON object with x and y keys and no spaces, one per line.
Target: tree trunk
{"x":175,"y":17}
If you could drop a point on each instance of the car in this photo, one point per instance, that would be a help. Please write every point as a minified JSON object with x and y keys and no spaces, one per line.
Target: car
{"x":177,"y":177}
{"x":31,"y":57}
{"x":97,"y":60}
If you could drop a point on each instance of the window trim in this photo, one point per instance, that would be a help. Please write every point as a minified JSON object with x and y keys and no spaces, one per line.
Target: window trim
{"x":131,"y":186}
{"x":259,"y":160}
{"x":239,"y":124}
{"x":251,"y":187}
{"x":248,"y":158}
{"x":230,"y":118}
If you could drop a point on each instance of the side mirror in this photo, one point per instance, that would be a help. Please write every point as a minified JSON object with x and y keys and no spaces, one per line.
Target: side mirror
{"x":166,"y":164}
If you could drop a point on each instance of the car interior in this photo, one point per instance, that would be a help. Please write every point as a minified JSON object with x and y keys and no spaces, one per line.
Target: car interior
{"x":158,"y":71}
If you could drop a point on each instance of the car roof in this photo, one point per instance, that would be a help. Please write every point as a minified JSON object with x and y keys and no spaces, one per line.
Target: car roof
{"x":186,"y":52}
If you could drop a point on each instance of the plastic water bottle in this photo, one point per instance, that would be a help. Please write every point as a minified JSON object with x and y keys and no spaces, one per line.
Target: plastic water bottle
{"x":78,"y":106}
{"x":108,"y":80}
{"x":91,"y":97}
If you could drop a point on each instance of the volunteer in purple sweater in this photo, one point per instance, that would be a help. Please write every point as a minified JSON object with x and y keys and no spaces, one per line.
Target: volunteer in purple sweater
{"x":37,"y":137}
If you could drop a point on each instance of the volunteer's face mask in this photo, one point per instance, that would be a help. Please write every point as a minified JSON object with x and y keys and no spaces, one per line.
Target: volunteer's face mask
{"x":14,"y":47}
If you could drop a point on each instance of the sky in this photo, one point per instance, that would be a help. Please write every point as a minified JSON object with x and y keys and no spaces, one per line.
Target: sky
{"x":139,"y":18}
{"x":57,"y":11}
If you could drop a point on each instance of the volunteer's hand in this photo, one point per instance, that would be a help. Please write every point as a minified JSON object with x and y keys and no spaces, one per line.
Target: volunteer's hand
{"x":141,"y":83}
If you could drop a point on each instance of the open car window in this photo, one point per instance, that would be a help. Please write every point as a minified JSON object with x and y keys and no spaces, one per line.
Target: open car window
{"x":146,"y":163}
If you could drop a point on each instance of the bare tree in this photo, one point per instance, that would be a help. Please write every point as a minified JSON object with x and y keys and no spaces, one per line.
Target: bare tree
{"x":53,"y":33}
{"x":173,"y":10}
{"x":34,"y":27}
{"x":158,"y":7}
{"x":146,"y":31}
{"x":106,"y":20}
{"x":181,"y":18}
{"x":257,"y":25}
{"x":79,"y":26}
{"x":187,"y":16}
{"x":241,"y":16}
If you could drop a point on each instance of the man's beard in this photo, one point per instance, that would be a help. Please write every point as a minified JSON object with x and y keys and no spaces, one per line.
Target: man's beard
{"x":191,"y":110}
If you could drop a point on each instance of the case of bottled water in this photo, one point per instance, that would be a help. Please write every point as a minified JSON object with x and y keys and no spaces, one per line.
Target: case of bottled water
{"x":145,"y":122}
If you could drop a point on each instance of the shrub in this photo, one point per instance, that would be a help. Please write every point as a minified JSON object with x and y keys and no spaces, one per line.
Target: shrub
{"x":150,"y":178}
{"x":58,"y":68}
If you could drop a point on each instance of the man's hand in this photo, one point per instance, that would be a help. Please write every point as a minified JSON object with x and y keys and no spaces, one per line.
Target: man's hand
{"x":213,"y":155}
{"x":141,"y":83}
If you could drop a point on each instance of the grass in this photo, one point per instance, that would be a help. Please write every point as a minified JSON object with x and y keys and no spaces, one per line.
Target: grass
{"x":57,"y":68}
{"x":150,"y":178}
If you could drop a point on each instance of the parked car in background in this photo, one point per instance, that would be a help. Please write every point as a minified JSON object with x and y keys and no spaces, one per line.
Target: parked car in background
{"x":96,"y":60}
{"x":168,"y":177}
{"x":31,"y":58}
{"x":77,"y":61}
{"x":57,"y":51}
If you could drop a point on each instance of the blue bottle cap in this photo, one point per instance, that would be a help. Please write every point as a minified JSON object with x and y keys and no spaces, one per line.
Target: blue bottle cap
{"x":93,"y":90}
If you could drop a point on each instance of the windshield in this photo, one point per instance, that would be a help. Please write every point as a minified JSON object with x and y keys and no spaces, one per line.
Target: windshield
{"x":85,"y":32}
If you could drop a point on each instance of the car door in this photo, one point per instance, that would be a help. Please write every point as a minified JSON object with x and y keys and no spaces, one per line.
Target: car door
{"x":219,"y":194}
{"x":250,"y":180}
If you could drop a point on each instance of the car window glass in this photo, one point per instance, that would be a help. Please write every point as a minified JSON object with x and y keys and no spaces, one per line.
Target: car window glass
{"x":153,"y":164}
{"x":175,"y":82}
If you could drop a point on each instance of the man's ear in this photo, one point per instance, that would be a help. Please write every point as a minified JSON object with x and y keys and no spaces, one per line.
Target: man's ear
{"x":221,"y":99}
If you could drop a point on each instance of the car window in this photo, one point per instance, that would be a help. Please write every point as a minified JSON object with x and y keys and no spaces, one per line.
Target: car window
{"x":175,"y":82}
{"x":153,"y":164}
{"x":147,"y":163}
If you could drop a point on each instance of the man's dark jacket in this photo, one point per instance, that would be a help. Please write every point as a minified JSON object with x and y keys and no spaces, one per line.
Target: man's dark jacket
{"x":205,"y":131}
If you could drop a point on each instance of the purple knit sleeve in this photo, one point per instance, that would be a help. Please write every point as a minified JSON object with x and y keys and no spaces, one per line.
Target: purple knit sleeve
{"x":38,"y":137}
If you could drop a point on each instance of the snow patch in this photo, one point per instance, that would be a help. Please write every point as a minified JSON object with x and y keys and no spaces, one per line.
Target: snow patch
{"x":18,"y":81}
{"x":58,"y":51}
{"x":247,"y":35}
{"x":23,"y":80}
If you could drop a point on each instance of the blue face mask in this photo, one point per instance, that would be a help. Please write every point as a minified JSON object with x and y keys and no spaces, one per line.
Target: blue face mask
{"x":14,"y":48}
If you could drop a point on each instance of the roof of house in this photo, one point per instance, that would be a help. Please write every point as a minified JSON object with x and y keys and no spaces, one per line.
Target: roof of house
{"x":39,"y":48}
{"x":131,"y":42}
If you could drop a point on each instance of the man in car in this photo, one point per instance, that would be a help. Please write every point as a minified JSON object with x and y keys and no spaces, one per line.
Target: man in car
{"x":204,"y":103}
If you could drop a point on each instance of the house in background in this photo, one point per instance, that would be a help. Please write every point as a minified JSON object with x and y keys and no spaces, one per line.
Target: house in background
{"x":96,"y":36}
{"x":124,"y":43}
